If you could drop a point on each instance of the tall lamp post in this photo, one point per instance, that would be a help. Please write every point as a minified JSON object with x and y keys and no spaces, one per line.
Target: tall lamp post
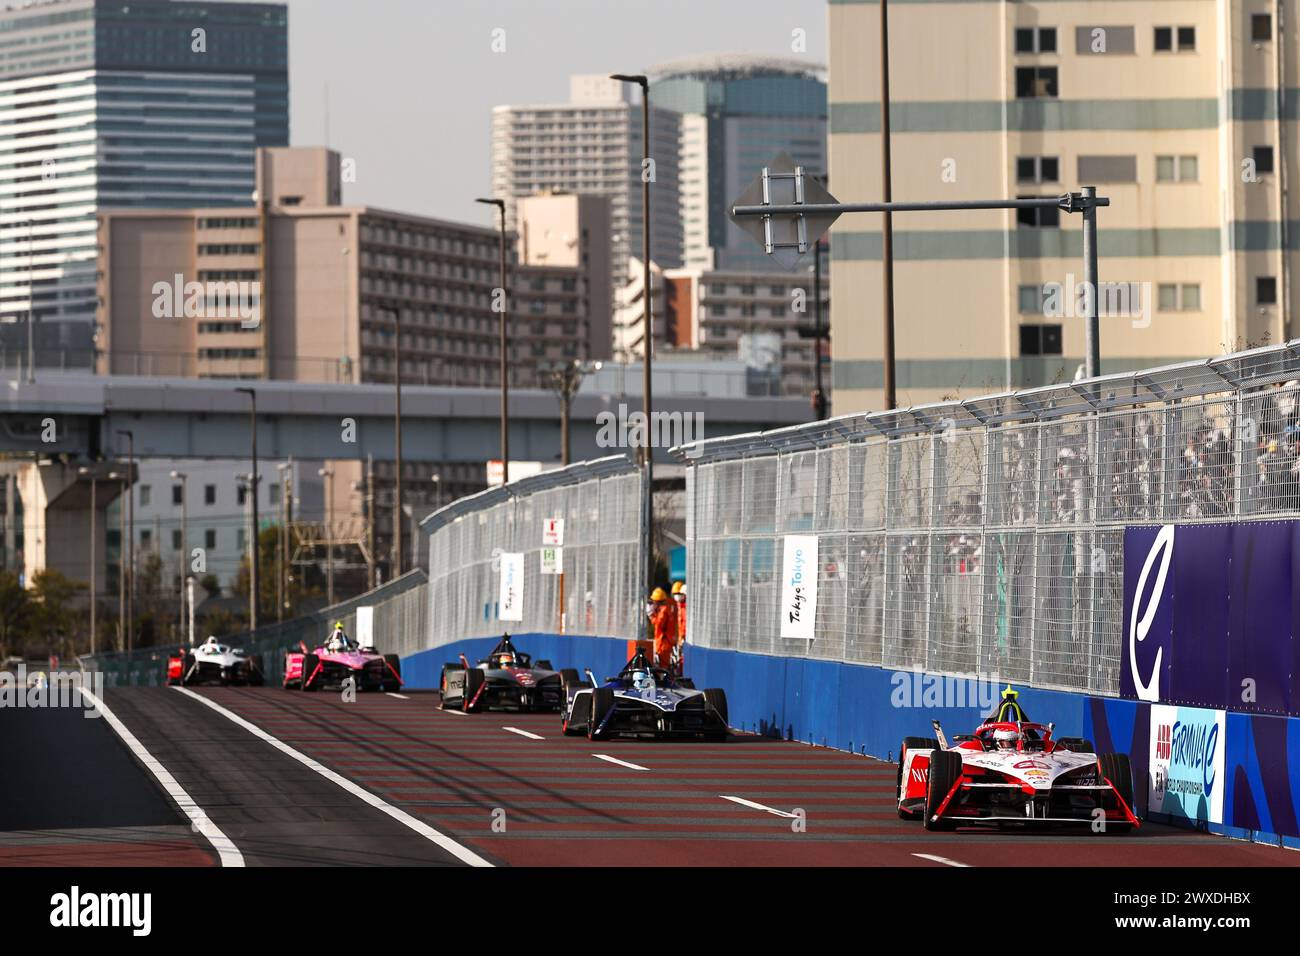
{"x":183,"y":478}
{"x":397,"y":439}
{"x":31,"y":309}
{"x":286,"y":508}
{"x":565,"y":380}
{"x":94,"y":549}
{"x":328,"y":475}
{"x":504,"y":322}
{"x":129,"y":629}
{"x":647,"y":505}
{"x":254,"y":592}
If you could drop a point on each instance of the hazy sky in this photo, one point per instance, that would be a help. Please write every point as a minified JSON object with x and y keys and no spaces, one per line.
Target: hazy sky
{"x":412,"y":83}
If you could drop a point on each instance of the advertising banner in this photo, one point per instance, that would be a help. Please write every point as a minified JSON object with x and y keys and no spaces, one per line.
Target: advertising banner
{"x":511,"y":599}
{"x":365,"y":626}
{"x":799,"y":586}
{"x":1186,"y":778}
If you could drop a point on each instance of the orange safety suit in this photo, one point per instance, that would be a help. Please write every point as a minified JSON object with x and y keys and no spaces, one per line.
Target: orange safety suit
{"x":664,"y":622}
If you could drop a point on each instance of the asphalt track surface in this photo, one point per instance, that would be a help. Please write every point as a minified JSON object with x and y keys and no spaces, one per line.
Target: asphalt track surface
{"x":507,"y":786}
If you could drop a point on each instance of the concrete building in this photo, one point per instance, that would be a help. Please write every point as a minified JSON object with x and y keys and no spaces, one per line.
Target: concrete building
{"x":111,"y":104}
{"x":591,"y":145}
{"x":1176,"y":111}
{"x":738,"y":111}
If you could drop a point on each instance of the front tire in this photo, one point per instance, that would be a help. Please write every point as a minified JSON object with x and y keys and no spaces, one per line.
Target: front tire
{"x":473,"y":681}
{"x":391,"y":683}
{"x":307,"y":682}
{"x":1119,"y":771}
{"x":945,"y":771}
{"x":602,"y":702}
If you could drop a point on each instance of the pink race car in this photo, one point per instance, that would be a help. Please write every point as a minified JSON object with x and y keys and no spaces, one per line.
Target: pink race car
{"x":336,"y":660}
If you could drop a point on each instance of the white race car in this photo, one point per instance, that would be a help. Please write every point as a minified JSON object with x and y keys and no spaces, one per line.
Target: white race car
{"x":1013,"y":772}
{"x":214,"y":661}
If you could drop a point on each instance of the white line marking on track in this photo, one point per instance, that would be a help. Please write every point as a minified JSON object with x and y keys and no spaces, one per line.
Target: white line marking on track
{"x":398,"y":696}
{"x":758,"y":806}
{"x":461,"y":853}
{"x":941,"y":859}
{"x":201,"y":822}
{"x":621,"y":763}
{"x":524,"y":733}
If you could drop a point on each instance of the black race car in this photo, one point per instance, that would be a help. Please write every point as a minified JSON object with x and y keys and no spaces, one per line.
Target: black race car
{"x":507,"y":679}
{"x":643,"y":701}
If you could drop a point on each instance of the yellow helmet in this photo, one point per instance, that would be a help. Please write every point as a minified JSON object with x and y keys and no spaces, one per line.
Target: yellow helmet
{"x":678,"y":587}
{"x":658,"y":595}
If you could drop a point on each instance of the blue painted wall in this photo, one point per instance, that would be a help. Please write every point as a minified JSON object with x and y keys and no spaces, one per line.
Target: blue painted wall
{"x":857,"y":707}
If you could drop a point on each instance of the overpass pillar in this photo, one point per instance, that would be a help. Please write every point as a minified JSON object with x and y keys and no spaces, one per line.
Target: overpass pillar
{"x":56,"y":519}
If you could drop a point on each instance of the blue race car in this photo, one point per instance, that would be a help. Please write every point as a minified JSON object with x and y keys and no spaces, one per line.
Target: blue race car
{"x":642,"y":700}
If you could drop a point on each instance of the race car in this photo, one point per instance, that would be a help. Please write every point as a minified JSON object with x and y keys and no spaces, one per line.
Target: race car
{"x":506,"y":679}
{"x":642,"y":701}
{"x":1012,"y":773}
{"x":339,"y":658}
{"x":214,"y":661}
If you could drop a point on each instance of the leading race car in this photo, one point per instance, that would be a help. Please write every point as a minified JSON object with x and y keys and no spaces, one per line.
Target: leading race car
{"x":506,"y":679}
{"x":339,"y":658}
{"x":643,"y":701}
{"x":1012,"y":773}
{"x":214,"y":661}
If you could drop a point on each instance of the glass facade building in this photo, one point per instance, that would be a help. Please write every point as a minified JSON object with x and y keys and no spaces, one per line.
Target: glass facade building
{"x":110,"y":103}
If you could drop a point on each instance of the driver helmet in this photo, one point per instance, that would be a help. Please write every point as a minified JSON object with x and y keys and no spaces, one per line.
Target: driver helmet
{"x":506,"y":660}
{"x":642,"y":680}
{"x":1005,"y":739}
{"x":212,"y":639}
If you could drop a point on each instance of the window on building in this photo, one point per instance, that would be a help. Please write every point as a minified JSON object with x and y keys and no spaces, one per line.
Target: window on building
{"x":1177,"y":169}
{"x":1036,"y":40}
{"x":241,"y":495}
{"x":1031,"y":299}
{"x":176,"y":539}
{"x":1040,"y":339}
{"x":146,"y":493}
{"x":1178,"y":297}
{"x":209,"y":494}
{"x":146,"y":539}
{"x":178,"y":495}
{"x":1041,"y":217}
{"x":1175,"y":39}
{"x":1261,"y":27}
{"x":210,"y":539}
{"x":241,"y":537}
{"x":1036,"y":82}
{"x":1265,"y":290}
{"x":1263,"y":156}
{"x":1038,"y":169}
{"x":273,"y":492}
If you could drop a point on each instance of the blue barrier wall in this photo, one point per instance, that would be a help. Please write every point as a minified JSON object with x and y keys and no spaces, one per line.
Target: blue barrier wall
{"x":869,"y":711}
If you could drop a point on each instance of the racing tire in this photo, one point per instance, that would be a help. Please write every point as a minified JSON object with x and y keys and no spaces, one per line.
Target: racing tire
{"x":576,"y":721}
{"x":685,"y":682}
{"x":187,"y":665}
{"x":716,"y":699}
{"x":602,"y":702}
{"x":1076,"y":745}
{"x":309,"y":662}
{"x":256,"y":672}
{"x":473,"y":681}
{"x":1119,"y":771}
{"x":442,"y":683}
{"x":910,"y":743}
{"x":571,"y":678}
{"x":544,"y":665}
{"x":945,"y":770}
{"x":391,"y":684}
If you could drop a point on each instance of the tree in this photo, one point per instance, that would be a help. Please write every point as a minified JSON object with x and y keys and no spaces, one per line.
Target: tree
{"x":15,"y":614}
{"x":54,"y":618}
{"x":268,"y":543}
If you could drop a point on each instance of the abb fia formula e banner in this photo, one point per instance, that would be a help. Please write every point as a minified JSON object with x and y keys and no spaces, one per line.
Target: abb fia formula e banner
{"x":1210,"y":616}
{"x":799,"y":586}
{"x":511,"y":598}
{"x":1185,"y":776}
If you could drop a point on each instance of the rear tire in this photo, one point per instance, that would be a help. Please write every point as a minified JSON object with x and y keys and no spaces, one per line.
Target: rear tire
{"x":1119,"y":771}
{"x":473,"y":681}
{"x":685,"y":682}
{"x":602,"y":702}
{"x":910,"y":743}
{"x":1077,"y":745}
{"x":716,"y":699}
{"x":187,"y":665}
{"x":544,"y":665}
{"x":945,"y":769}
{"x":309,"y":662}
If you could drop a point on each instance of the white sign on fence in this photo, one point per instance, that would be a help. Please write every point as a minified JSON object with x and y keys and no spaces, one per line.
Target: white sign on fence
{"x":553,"y":532}
{"x":365,"y":626}
{"x":512,"y":587}
{"x":552,"y":560}
{"x":799,"y":586}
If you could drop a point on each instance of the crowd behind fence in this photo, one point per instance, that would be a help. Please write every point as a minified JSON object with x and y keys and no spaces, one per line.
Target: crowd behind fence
{"x":986,"y":536}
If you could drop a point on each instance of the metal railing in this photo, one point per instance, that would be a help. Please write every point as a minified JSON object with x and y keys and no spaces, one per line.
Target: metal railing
{"x":987,"y":535}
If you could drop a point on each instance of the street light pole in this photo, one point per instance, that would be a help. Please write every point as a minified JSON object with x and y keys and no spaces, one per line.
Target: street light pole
{"x":887,"y":231}
{"x":647,"y":504}
{"x":94,"y":549}
{"x":185,"y":539}
{"x":254,"y":592}
{"x":328,"y":475}
{"x":397,"y":437}
{"x":504,"y":321}
{"x":129,"y":628}
{"x":31,"y":309}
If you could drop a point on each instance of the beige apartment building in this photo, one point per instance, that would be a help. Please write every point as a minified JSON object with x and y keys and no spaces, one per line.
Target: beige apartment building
{"x":1173,"y":110}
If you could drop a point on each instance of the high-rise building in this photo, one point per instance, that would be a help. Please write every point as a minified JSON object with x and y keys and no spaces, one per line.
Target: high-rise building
{"x":1178,"y":112}
{"x":104,"y":103}
{"x":591,"y":145}
{"x":738,"y":112}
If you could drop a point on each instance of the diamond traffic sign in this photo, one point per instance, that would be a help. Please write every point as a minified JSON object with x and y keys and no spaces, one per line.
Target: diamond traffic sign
{"x":785,"y":234}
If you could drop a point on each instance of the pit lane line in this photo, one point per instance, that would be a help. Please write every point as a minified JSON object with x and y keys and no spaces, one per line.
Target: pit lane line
{"x":941,"y":859}
{"x":227,"y":852}
{"x":758,"y":806}
{"x":462,"y":853}
{"x":524,"y":733}
{"x":621,"y":763}
{"x":389,"y":693}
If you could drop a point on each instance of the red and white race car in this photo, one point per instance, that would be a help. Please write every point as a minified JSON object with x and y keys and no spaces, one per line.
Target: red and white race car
{"x":338,"y":659}
{"x":1013,"y":772}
